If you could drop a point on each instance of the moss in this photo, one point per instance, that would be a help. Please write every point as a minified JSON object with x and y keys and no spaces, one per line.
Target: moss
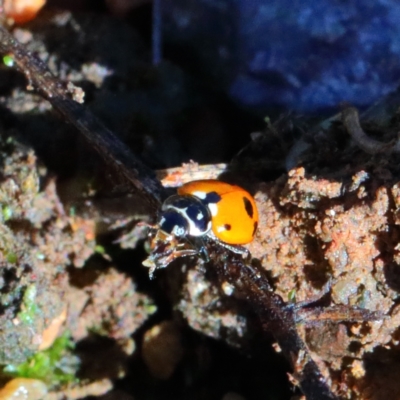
{"x":100,"y":249}
{"x":8,"y":60}
{"x":12,"y":258}
{"x":55,"y":366}
{"x":292,"y":296}
{"x":149,"y":307}
{"x":29,"y":308}
{"x":6,"y":213}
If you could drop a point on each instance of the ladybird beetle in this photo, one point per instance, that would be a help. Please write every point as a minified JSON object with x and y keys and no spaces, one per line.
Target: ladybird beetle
{"x":212,"y":208}
{"x":201,"y":210}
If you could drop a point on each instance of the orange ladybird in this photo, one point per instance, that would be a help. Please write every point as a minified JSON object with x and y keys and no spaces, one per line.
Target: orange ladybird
{"x":219,"y":210}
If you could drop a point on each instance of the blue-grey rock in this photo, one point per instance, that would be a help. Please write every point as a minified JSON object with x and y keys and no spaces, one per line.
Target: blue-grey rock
{"x":302,"y":55}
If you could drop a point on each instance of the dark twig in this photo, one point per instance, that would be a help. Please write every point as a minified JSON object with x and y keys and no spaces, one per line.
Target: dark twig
{"x":282,"y":319}
{"x":113,"y":151}
{"x":351,"y":121}
{"x":337,"y":313}
{"x":252,"y":284}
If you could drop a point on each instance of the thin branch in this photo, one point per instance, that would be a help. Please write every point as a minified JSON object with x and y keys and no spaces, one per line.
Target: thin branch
{"x":106,"y":143}
{"x":351,"y":121}
{"x":252,"y":284}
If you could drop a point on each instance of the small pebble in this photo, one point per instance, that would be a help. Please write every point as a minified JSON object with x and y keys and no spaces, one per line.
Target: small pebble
{"x":23,"y":389}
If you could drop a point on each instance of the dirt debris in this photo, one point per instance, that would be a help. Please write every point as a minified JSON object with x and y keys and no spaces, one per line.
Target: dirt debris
{"x":35,"y":248}
{"x":314,"y":230}
{"x":43,"y":290}
{"x":204,"y":310}
{"x":109,"y":306}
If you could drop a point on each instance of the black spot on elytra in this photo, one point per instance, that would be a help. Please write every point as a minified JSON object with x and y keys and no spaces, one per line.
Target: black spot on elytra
{"x":228,"y":227}
{"x":212,"y":197}
{"x":255,"y":227}
{"x":248,"y":207}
